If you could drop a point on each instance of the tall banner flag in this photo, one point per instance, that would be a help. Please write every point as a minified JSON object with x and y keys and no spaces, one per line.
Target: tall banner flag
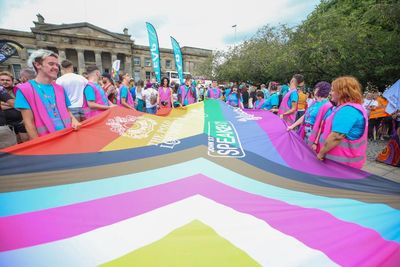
{"x":8,"y":48}
{"x":178,"y":58}
{"x":154,"y":50}
{"x":115,"y":70}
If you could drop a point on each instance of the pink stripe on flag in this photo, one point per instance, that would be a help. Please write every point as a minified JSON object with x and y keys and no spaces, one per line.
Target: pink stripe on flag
{"x":292,"y":148}
{"x":345,"y":243}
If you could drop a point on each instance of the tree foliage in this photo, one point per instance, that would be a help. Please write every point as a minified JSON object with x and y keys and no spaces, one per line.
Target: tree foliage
{"x":340,"y":37}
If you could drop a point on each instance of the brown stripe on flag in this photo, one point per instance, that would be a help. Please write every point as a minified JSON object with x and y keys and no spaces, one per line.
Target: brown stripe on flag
{"x":45,"y":179}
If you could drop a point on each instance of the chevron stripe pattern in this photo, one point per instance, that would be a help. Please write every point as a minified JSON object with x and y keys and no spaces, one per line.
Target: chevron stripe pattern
{"x":205,"y":185}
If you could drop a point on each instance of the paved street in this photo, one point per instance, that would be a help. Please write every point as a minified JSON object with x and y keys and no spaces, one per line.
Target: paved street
{"x":378,"y":168}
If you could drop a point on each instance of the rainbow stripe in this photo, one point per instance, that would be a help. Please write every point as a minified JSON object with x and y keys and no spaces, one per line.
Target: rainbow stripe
{"x":205,"y":185}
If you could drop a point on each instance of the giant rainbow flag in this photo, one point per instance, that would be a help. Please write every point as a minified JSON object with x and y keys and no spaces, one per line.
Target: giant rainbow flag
{"x":208,"y":185}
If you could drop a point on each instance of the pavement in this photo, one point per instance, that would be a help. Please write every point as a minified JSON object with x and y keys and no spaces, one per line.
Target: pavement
{"x":381,"y":169}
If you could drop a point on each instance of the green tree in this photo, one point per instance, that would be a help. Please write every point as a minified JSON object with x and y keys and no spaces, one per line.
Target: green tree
{"x":340,"y":37}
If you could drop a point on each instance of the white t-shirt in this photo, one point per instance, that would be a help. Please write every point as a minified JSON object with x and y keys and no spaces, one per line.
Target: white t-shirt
{"x":73,"y":85}
{"x":147,"y":95}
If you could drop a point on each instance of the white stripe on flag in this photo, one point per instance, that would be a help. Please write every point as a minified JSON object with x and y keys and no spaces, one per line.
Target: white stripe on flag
{"x":260,"y":241}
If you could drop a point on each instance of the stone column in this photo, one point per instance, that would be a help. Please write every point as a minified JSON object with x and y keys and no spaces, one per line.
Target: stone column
{"x":81,"y":61}
{"x":61,"y":55}
{"x":128,"y":65}
{"x":186,"y":67}
{"x":99,"y":64}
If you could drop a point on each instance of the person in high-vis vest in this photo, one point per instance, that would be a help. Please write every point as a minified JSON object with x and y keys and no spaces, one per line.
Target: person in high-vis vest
{"x":344,"y":137}
{"x":234,"y":97}
{"x":307,"y":121}
{"x":213,"y":92}
{"x":187,"y":92}
{"x":124,"y":98}
{"x":42,"y":102}
{"x":95,"y":100}
{"x":288,"y":107}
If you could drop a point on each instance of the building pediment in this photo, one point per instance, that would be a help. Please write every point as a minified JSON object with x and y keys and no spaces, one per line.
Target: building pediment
{"x":84,"y":30}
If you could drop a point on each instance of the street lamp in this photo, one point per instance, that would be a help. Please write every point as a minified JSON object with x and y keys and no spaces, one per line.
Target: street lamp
{"x":234,"y":26}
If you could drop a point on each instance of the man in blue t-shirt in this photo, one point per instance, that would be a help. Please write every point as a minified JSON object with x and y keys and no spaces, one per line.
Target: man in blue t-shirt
{"x":297,"y":80}
{"x":90,"y":96}
{"x":272,"y":101}
{"x":46,"y":65}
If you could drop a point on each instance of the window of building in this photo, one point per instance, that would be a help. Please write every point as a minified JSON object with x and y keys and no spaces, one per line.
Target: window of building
{"x":147,"y":62}
{"x":148,"y":75}
{"x":136,"y":76}
{"x":16,"y":70}
{"x":167,"y":63}
{"x":136,"y":61}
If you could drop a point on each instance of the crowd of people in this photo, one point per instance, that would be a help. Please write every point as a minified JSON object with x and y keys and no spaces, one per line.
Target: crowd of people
{"x":335,"y":119}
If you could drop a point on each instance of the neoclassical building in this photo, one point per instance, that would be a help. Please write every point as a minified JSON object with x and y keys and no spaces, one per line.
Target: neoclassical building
{"x":86,"y":44}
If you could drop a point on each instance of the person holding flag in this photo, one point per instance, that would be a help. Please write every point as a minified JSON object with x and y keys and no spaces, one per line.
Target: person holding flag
{"x":288,"y":107}
{"x":260,"y":103}
{"x":124,"y":98}
{"x":187,"y":93}
{"x":43,"y":103}
{"x":307,"y":121}
{"x":344,"y":135}
{"x":95,"y":100}
{"x":233,"y":97}
{"x":214,"y":92}
{"x":164,"y":97}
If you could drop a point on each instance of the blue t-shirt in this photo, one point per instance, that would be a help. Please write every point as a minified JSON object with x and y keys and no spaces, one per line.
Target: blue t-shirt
{"x":266,"y":93}
{"x":90,"y":95}
{"x":284,"y":90}
{"x":232,"y":98}
{"x":294,"y":97}
{"x":272,"y":101}
{"x":312,"y":112}
{"x":350,"y":122}
{"x":46,"y":93}
{"x":257,"y":103}
{"x":124,"y":92}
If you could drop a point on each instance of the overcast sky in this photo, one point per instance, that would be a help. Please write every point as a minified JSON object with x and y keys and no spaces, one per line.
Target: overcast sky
{"x":202,"y":23}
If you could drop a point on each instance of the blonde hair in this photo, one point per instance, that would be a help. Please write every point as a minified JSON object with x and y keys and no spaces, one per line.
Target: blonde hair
{"x":348,"y":89}
{"x":6,"y":73}
{"x":39,"y":56}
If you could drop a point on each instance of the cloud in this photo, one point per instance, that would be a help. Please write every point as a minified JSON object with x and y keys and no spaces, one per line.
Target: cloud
{"x":205,"y":24}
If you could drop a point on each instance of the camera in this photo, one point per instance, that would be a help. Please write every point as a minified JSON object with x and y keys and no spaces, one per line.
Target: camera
{"x":164,"y":103}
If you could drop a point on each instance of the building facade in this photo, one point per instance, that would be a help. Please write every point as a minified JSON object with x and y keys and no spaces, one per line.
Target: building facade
{"x":85,"y":44}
